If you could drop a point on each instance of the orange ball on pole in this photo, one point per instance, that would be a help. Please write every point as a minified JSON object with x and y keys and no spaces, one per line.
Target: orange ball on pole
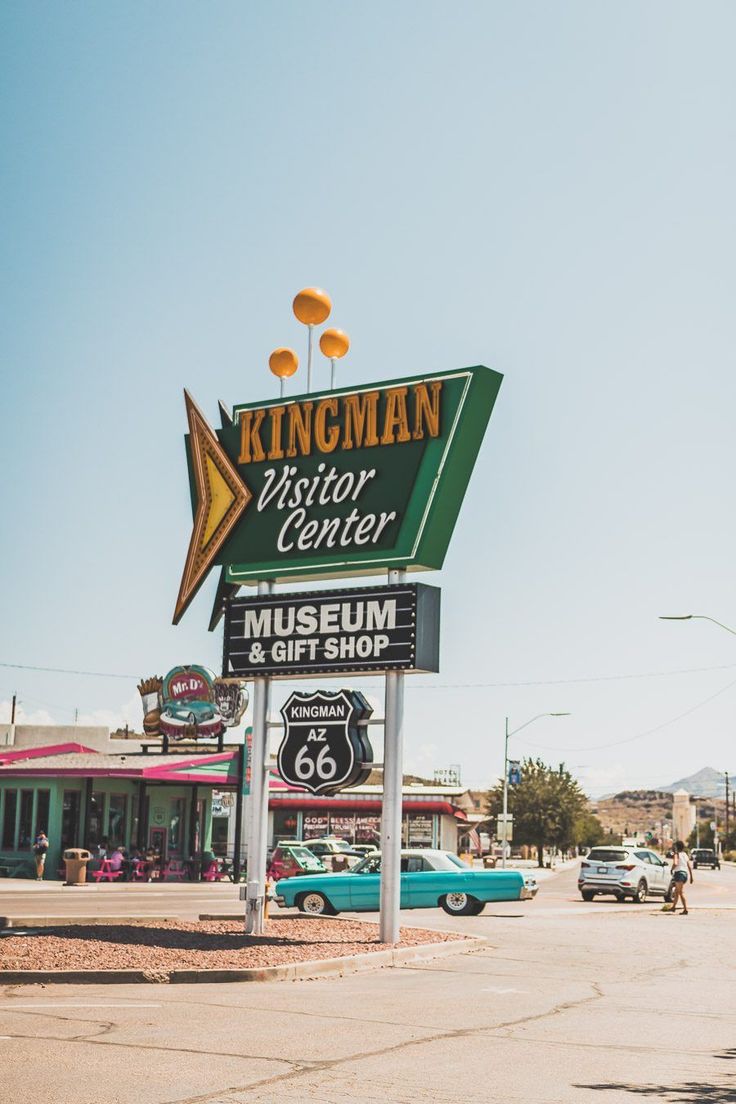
{"x":283,"y":363}
{"x":312,"y":306}
{"x":334,"y":343}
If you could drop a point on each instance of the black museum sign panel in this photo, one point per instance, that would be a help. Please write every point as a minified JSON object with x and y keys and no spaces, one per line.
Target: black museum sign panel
{"x":327,"y":632}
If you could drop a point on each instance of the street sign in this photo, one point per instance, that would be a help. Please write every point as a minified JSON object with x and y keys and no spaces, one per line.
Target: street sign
{"x":505,"y":827}
{"x":366,"y":629}
{"x":337,"y":483}
{"x":324,"y":750}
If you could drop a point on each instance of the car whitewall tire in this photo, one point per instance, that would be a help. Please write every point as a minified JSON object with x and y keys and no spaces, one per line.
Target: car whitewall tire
{"x":315,"y":904}
{"x":459,"y":904}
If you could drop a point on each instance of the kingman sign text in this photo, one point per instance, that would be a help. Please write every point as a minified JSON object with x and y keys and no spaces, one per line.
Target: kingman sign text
{"x":347,"y":482}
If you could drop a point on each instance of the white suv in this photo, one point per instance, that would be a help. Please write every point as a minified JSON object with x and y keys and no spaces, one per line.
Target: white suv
{"x":624,"y":872}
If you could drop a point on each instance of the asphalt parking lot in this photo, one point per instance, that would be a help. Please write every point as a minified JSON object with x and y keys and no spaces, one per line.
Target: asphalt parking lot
{"x":563,"y":1004}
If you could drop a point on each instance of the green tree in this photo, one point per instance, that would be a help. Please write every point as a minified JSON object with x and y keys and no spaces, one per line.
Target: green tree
{"x":589,"y":831}
{"x":546,"y":806}
{"x":706,"y":837}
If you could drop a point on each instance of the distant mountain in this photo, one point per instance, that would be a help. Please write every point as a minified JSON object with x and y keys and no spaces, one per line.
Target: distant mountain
{"x":704,"y":783}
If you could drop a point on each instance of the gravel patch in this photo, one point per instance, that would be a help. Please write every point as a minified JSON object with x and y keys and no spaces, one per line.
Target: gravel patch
{"x":207,"y":945}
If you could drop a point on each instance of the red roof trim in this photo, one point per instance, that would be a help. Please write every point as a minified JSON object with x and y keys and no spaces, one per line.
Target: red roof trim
{"x":42,"y":752}
{"x":217,"y":781}
{"x":358,"y":806}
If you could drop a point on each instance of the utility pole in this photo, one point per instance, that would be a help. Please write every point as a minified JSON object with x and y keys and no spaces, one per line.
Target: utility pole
{"x":727,"y":843}
{"x":505,"y":796}
{"x":12,"y":710}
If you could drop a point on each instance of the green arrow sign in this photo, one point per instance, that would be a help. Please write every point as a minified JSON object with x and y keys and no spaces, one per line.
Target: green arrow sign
{"x":335,"y":484}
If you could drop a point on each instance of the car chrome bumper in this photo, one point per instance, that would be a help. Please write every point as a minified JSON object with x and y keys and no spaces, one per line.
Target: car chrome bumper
{"x":280,"y":901}
{"x":528,"y":893}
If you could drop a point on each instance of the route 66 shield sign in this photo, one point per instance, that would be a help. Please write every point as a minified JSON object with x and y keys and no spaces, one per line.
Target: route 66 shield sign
{"x":323,"y":751}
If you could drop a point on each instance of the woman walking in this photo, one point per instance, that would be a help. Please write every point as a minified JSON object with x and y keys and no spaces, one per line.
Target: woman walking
{"x":40,"y":847}
{"x":681,"y":870}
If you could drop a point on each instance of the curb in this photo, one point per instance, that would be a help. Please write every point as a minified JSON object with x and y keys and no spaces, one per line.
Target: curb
{"x":294,"y":971}
{"x":10,"y":922}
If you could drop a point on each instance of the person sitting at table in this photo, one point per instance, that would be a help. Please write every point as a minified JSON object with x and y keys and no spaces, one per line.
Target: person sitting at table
{"x":117,"y":859}
{"x":131,"y":858}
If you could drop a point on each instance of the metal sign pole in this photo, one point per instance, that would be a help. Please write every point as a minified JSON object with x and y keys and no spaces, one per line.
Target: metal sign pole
{"x":258,"y":819}
{"x":393,"y":778}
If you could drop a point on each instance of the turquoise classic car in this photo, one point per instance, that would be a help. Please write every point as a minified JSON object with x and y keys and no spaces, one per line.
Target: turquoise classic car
{"x":428,"y":878}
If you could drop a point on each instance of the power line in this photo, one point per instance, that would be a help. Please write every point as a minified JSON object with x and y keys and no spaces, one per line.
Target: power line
{"x":416,"y":685}
{"x":566,"y":682}
{"x":639,"y":735}
{"x":66,"y":671}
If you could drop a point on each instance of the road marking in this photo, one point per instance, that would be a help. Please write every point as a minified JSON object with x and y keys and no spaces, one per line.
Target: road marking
{"x":494,"y":989}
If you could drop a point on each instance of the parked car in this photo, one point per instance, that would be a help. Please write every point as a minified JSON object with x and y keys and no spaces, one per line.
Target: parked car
{"x":363,"y":848}
{"x":291,"y":860}
{"x":336,"y":854}
{"x":428,"y":878}
{"x":330,"y":845}
{"x":624,"y":872}
{"x":705,"y":856}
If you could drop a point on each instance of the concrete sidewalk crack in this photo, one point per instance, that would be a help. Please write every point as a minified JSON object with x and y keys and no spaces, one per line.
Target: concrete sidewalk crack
{"x":395,"y":1048}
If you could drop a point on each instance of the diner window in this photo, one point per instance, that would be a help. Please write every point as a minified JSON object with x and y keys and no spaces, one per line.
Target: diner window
{"x":25,"y":824}
{"x":134,"y":820}
{"x":284,"y":825}
{"x":94,"y":819}
{"x":70,"y":819}
{"x":176,"y":824}
{"x":198,"y":842}
{"x":43,"y":798}
{"x":11,"y":808}
{"x":219,"y":835}
{"x":116,"y":824}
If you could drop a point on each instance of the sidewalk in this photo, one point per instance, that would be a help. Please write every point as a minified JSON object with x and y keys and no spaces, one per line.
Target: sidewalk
{"x":29,"y":901}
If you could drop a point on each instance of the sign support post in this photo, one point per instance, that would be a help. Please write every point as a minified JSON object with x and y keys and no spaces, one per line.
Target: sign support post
{"x":393,"y":778}
{"x":258,"y":820}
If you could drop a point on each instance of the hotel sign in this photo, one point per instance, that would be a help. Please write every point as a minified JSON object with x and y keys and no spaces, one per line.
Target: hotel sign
{"x":365,"y":629}
{"x":332,"y":484}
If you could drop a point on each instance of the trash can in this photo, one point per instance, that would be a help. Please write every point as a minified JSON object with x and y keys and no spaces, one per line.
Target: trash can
{"x":75,"y":860}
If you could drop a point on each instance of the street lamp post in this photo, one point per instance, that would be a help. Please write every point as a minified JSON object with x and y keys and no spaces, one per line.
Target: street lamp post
{"x":693,"y":617}
{"x":704,"y":617}
{"x":506,"y":774}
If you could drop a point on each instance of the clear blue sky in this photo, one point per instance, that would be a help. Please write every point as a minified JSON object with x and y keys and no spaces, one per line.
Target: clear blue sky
{"x":543,"y":188}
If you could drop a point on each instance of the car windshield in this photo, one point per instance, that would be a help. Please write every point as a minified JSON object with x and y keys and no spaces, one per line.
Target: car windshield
{"x":301,"y":854}
{"x":371,"y":864}
{"x":436,"y":860}
{"x":455,"y":860}
{"x":606,"y":855}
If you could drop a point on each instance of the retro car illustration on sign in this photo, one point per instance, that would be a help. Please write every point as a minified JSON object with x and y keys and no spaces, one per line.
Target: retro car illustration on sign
{"x":429,"y":879}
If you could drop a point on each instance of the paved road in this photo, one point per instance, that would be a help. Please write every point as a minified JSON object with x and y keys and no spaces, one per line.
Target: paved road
{"x":557,"y":893}
{"x":572,"y":1004}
